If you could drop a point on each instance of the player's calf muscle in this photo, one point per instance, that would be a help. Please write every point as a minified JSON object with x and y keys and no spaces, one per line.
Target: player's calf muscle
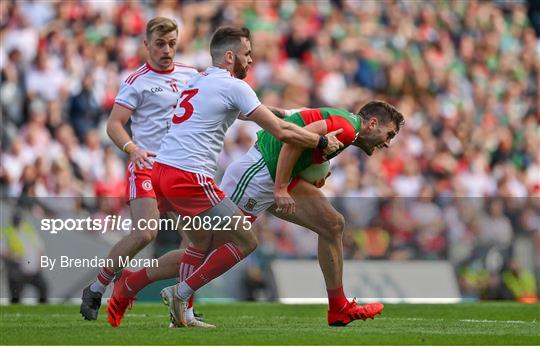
{"x":245,"y":240}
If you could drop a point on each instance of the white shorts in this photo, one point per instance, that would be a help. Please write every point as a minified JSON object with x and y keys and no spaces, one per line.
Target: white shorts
{"x":247,"y":182}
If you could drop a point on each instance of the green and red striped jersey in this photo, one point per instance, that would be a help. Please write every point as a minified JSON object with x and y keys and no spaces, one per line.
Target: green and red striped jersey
{"x":335,"y":119}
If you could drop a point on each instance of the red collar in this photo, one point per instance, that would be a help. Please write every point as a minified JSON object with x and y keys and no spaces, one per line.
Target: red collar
{"x":160,"y":71}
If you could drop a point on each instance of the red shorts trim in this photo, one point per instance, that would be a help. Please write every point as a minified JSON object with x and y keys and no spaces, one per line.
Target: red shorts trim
{"x":293,"y":184}
{"x":139,"y":183}
{"x":185,"y":192}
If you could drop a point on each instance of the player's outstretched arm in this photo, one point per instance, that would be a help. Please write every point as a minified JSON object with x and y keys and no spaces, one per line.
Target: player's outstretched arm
{"x":284,"y":113}
{"x":291,"y":133}
{"x":278,"y":112}
{"x":288,"y":156}
{"x":115,"y":129}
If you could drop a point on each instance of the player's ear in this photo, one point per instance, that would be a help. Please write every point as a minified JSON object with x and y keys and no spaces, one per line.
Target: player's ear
{"x":229,"y":57}
{"x":373,"y":123}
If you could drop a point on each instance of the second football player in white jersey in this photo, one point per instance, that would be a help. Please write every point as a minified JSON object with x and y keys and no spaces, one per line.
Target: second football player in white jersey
{"x":147,"y":97}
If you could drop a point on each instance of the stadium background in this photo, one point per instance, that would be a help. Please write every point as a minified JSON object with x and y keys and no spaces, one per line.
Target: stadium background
{"x":461,"y":182}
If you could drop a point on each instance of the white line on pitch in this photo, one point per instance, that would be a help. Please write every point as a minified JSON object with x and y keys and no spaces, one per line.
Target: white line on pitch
{"x":464,"y":320}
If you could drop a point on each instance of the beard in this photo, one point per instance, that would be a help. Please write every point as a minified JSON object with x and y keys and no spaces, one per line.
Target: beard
{"x":239,"y":71}
{"x":368,"y":144}
{"x":367,"y":148}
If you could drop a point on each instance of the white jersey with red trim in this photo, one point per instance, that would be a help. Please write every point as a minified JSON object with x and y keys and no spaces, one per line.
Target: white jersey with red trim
{"x":151,"y":95}
{"x":209,"y":103}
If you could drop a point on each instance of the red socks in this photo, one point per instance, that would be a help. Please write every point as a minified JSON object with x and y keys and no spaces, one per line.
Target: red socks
{"x":336,"y":299}
{"x":217,"y":263}
{"x":190,"y":261}
{"x":136,"y":281}
{"x":105,"y":276}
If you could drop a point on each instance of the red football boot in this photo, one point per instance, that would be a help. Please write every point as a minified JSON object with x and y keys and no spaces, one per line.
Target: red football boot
{"x":120,"y":300}
{"x":352,"y":311}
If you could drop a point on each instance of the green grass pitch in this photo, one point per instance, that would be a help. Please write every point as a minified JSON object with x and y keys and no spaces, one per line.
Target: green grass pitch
{"x":489,"y":323}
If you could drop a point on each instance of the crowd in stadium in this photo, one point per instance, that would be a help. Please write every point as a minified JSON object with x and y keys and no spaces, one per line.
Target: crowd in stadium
{"x":462,"y":177}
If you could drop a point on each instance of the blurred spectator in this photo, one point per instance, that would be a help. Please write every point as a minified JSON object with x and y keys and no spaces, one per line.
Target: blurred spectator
{"x":21,"y":249}
{"x":12,"y":89}
{"x":429,"y":225}
{"x":85,"y":111}
{"x":46,"y":79}
{"x":494,"y":227}
{"x":258,"y":280}
{"x":520,"y":282}
{"x":373,"y":242}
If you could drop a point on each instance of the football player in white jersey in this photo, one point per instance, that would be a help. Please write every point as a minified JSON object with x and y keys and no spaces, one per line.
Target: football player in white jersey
{"x":187,"y":162}
{"x":147,"y":97}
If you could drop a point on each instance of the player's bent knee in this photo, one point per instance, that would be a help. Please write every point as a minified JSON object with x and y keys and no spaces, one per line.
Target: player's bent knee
{"x":239,"y":232}
{"x":144,"y":237}
{"x":246,"y":241}
{"x":336,"y":225}
{"x":201,"y":239}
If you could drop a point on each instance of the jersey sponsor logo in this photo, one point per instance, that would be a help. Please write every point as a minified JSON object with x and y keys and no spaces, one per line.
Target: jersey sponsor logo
{"x":250,"y":204}
{"x":147,"y":185}
{"x":156,"y":90}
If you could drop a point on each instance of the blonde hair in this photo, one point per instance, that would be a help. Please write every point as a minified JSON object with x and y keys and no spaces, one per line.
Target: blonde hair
{"x":162,"y":25}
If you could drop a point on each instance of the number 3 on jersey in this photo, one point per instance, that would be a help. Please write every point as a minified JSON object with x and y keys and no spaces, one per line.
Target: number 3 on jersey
{"x":184,"y":103}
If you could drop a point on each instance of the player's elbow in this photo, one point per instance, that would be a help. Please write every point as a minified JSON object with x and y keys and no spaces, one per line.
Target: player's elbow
{"x":112,"y":126}
{"x":284,"y":133}
{"x":283,"y":136}
{"x":109,"y":129}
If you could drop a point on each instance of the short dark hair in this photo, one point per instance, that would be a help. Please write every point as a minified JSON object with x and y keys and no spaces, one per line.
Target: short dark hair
{"x":383,"y":111}
{"x":227,"y":39}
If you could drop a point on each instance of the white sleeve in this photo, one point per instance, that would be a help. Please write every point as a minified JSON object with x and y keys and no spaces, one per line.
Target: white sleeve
{"x":128,"y":96}
{"x":243,"y":98}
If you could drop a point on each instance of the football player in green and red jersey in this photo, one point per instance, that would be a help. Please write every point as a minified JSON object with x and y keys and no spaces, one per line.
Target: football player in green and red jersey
{"x":267,"y":178}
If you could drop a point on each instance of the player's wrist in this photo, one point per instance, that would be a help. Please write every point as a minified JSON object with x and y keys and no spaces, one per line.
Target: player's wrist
{"x":278,"y":189}
{"x":129,"y":147}
{"x":125,"y":146}
{"x":323,"y":142}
